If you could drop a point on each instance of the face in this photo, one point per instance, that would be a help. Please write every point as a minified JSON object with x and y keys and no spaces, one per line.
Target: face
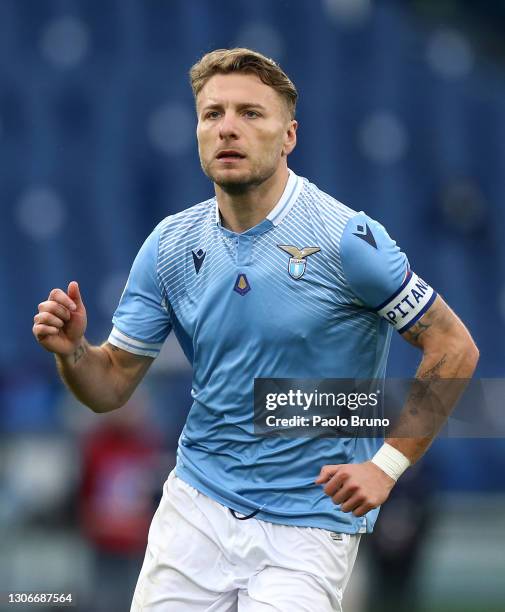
{"x":244,"y":130}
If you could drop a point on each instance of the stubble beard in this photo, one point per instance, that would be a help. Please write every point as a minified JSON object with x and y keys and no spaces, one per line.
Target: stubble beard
{"x":240,"y":184}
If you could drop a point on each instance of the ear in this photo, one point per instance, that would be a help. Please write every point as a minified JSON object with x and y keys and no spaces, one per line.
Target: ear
{"x":290,"y":137}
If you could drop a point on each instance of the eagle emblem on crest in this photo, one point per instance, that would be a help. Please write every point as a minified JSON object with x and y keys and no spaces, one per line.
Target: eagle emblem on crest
{"x":298,"y":260}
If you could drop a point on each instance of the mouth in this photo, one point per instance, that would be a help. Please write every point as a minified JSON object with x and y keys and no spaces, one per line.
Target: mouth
{"x":229,"y":155}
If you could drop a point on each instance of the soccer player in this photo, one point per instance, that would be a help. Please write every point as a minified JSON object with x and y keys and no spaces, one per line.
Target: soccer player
{"x":269,"y":278}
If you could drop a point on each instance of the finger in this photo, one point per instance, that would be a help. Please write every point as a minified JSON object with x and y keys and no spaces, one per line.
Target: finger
{"x":56,"y":309}
{"x":342,"y":494}
{"x":74,"y":293}
{"x":354,"y":502}
{"x":47,"y":318}
{"x":363,"y":509}
{"x":335,"y":483}
{"x":57,"y":295}
{"x":327,"y":471}
{"x":41,"y":331}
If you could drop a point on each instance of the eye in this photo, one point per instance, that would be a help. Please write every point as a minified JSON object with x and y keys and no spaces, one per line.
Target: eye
{"x":212,"y":114}
{"x":252,"y":114}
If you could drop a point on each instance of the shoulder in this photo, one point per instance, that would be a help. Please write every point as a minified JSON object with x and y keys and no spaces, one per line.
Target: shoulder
{"x":177,"y":229}
{"x":173,"y":232}
{"x":373,"y":263}
{"x":187,"y":218}
{"x":326,"y":206}
{"x":361,"y":230}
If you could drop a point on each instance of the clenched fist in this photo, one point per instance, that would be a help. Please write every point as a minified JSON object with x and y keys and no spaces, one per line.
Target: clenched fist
{"x":60,"y":324}
{"x":358,"y":487}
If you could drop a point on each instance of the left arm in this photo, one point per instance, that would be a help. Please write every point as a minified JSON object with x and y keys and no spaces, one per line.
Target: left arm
{"x":448,"y":353}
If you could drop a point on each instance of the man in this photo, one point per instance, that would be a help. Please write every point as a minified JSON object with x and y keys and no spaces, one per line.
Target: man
{"x":270,"y":278}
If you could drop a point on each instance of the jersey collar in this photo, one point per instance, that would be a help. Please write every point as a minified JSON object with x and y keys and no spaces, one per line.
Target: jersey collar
{"x":288,"y":198}
{"x":279,"y":211}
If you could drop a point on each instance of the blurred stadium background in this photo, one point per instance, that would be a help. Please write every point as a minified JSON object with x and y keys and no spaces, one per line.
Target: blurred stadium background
{"x":402,"y":114}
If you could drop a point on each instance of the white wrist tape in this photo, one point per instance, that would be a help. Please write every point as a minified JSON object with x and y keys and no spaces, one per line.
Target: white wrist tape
{"x":391,"y":461}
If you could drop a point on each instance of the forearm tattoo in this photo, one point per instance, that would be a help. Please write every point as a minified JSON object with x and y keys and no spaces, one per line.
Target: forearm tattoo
{"x":421,"y":390}
{"x":417,"y":330}
{"x":433,"y":373}
{"x":79,"y":353}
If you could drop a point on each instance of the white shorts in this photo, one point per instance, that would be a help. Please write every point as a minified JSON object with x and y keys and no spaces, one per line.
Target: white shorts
{"x":199,"y":557}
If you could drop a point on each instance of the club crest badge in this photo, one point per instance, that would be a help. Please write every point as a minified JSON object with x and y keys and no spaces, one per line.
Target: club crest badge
{"x":298,"y":260}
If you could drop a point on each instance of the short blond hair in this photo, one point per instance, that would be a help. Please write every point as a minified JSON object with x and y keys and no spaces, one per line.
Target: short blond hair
{"x":245,"y":61}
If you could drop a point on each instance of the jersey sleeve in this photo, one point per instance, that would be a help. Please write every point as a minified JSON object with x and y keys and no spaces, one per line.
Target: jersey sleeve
{"x":142,"y":320}
{"x":379,"y":275}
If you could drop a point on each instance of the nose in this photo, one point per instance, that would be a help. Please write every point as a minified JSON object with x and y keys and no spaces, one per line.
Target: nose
{"x":228,"y":127}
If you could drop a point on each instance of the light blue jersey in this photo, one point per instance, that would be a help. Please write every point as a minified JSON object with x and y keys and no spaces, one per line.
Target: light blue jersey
{"x":313,"y":291}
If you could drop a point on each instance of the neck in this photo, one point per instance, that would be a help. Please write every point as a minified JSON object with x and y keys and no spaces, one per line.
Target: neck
{"x":242,"y":210}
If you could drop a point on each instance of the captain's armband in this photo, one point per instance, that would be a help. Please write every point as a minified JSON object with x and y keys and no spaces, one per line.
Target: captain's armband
{"x":408,"y":304}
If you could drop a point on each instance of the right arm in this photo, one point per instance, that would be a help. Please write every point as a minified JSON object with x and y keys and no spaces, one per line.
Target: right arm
{"x":101,"y":377}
